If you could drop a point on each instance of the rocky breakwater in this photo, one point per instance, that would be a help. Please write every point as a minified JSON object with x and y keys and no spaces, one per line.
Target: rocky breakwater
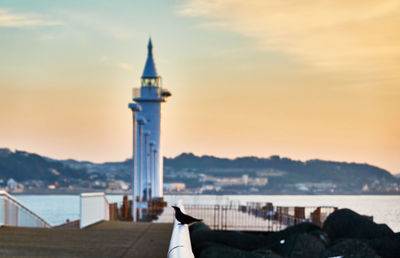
{"x":344,"y":233}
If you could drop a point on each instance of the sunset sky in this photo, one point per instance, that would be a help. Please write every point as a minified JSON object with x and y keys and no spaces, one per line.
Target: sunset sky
{"x":302,"y":79}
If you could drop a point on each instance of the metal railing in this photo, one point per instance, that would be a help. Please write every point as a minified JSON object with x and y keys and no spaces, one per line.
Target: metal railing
{"x":150,"y":92}
{"x":257,"y":216}
{"x":13,"y":213}
{"x":233,"y":216}
{"x":94,"y":207}
{"x":179,"y":245}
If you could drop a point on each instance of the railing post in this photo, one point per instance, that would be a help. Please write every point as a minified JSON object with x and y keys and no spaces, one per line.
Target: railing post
{"x":299,"y":214}
{"x":316,"y":216}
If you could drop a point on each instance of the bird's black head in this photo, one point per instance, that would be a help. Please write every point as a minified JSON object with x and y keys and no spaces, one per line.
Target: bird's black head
{"x":176,"y":208}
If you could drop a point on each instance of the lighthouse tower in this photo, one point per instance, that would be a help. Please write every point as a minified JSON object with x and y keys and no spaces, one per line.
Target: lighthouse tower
{"x":147,"y":180}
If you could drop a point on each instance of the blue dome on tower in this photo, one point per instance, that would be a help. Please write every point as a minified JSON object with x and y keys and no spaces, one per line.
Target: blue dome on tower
{"x":150,"y":67}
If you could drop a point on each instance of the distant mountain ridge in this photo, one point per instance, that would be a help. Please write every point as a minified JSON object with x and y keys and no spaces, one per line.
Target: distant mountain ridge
{"x":22,"y":165}
{"x":283,"y":171}
{"x":312,"y":169}
{"x":280,"y":171}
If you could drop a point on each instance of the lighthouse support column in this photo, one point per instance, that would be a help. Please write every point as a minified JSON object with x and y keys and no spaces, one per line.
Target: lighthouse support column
{"x":135,"y":108}
{"x":147,"y":161}
{"x":151,"y":169}
{"x":141,"y":122}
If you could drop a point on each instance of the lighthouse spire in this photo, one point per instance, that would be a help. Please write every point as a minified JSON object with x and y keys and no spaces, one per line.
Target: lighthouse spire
{"x":150,"y":71}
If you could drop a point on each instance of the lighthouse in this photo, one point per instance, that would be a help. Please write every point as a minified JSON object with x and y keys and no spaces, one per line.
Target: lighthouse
{"x":147,"y":178}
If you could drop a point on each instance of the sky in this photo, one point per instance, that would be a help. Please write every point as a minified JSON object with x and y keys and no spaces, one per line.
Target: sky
{"x":301,"y":79}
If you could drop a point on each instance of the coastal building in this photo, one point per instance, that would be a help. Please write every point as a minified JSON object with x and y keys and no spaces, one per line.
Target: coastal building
{"x":147,"y":179}
{"x":175,"y":187}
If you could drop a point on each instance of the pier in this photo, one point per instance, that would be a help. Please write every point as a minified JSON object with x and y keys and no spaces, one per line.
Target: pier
{"x":105,"y":239}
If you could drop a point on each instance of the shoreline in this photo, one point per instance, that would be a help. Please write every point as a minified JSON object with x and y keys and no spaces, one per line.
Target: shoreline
{"x":191,"y":194}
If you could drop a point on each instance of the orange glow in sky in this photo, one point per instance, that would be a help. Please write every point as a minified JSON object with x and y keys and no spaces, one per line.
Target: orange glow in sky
{"x":301,"y":79}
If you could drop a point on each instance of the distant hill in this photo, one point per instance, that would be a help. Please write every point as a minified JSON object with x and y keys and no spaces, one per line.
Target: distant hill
{"x":282,"y":173}
{"x":311,"y":170}
{"x":21,"y":165}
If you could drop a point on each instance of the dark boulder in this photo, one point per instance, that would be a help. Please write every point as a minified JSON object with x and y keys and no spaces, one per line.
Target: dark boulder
{"x":301,"y":240}
{"x":222,"y":251}
{"x":236,"y":239}
{"x":267,"y":253}
{"x":350,"y":248}
{"x":299,"y":245}
{"x":199,"y":248}
{"x":198,"y":226}
{"x":397,"y":236}
{"x":385,"y":246}
{"x":345,"y":223}
{"x":281,"y":243}
{"x":301,"y":228}
{"x":307,"y":245}
{"x":321,"y":236}
{"x":212,"y":249}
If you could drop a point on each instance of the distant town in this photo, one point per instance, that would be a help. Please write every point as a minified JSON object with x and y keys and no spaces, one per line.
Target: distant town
{"x":23,"y":172}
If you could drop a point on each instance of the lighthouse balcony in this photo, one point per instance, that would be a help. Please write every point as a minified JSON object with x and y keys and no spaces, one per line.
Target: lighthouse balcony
{"x":150,"y":93}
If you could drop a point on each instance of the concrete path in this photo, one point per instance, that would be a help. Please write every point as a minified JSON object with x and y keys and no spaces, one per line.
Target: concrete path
{"x":106,"y":239}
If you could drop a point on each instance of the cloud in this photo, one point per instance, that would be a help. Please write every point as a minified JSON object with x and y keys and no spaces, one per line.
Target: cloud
{"x":96,"y":22}
{"x":359,"y":37}
{"x":125,"y":66}
{"x":14,"y":20}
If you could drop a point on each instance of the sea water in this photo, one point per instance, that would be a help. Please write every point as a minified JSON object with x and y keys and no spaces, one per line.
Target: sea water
{"x":56,"y":209}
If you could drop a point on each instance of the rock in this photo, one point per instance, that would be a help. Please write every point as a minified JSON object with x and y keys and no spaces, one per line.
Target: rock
{"x":301,"y":228}
{"x":214,"y":249}
{"x":265,"y":252}
{"x":302,"y":240}
{"x":236,"y":239}
{"x":397,"y":236}
{"x":198,"y":226}
{"x":385,"y":247}
{"x":322,"y":236}
{"x":299,"y":245}
{"x":304,"y":227}
{"x":282,"y":242}
{"x":221,"y":251}
{"x":345,"y":223}
{"x":350,"y":248}
{"x":307,"y":245}
{"x":198,"y":248}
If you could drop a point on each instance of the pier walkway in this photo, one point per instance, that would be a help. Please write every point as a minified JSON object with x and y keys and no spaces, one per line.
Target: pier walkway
{"x":106,"y":239}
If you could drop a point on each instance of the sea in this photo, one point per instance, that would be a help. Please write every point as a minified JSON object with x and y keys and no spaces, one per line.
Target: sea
{"x":57,"y":209}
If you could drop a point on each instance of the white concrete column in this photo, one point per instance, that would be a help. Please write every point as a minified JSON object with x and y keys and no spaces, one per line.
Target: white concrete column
{"x":140,"y":122}
{"x":155,"y":176}
{"x":151,"y":169}
{"x":135,"y":108}
{"x":147,"y":161}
